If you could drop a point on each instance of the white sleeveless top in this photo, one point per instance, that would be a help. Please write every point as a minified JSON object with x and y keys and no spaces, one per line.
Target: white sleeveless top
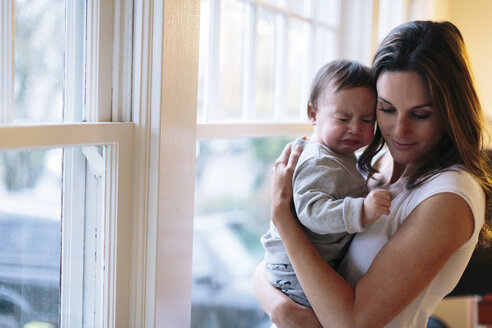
{"x":367,"y":244}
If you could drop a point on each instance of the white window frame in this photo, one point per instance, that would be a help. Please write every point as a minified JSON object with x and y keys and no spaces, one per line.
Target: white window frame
{"x":165,"y":76}
{"x":118,"y":139}
{"x":113,"y":303}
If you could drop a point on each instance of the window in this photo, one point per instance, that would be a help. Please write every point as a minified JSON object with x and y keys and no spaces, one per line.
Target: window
{"x":257,"y":59}
{"x":65,"y":185}
{"x":231,"y":213}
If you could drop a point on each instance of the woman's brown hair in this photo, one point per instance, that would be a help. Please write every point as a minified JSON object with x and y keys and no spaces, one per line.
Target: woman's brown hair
{"x":436,"y":51}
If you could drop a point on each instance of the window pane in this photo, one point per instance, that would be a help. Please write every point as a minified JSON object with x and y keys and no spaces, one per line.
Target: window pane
{"x":233,"y":24}
{"x":256,"y":59}
{"x":229,"y":220}
{"x":325,"y":46}
{"x":30,"y":227}
{"x":327,"y":11}
{"x":391,"y":14}
{"x":297,"y":69}
{"x":302,"y":8}
{"x":39,"y":51}
{"x":49,"y":269}
{"x":266,"y":52}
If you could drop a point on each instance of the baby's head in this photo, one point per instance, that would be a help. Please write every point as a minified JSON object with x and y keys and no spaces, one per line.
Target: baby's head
{"x":342,"y":106}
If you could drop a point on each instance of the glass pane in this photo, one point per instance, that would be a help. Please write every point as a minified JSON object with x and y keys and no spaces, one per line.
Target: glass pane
{"x":278,"y":3}
{"x":391,"y":14}
{"x":302,"y":8}
{"x":229,"y":220}
{"x":327,"y":11}
{"x":325,"y":47}
{"x":30,"y":228}
{"x":39,"y":60}
{"x":297,"y":69}
{"x":233,"y":27}
{"x":41,"y":282}
{"x":266,"y":52}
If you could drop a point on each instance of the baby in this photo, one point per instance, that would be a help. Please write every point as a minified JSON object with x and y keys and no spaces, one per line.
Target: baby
{"x":329,"y":192}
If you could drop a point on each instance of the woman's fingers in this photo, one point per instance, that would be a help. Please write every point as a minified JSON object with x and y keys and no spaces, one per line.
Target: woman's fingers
{"x":282,"y":173}
{"x":284,"y":156}
{"x":294,"y":156}
{"x":289,"y":156}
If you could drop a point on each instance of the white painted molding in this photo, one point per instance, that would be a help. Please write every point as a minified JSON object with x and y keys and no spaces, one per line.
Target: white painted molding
{"x":34,"y":136}
{"x":99,"y":53}
{"x":165,"y":76}
{"x":247,"y":130}
{"x":177,"y":151}
{"x":72,"y":267}
{"x":146,"y":97}
{"x":122,"y":61}
{"x":6,"y":60}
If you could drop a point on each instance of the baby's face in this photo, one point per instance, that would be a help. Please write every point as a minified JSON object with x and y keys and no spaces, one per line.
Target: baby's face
{"x":344,"y":120}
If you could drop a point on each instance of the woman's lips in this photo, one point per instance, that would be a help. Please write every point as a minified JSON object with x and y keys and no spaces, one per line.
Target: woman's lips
{"x":403,"y":146}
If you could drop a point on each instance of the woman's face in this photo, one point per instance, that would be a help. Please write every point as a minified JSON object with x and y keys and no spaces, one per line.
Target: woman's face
{"x":408,"y":121}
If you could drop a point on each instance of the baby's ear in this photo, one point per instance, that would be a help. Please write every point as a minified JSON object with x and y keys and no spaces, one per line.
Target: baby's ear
{"x":311,"y":114}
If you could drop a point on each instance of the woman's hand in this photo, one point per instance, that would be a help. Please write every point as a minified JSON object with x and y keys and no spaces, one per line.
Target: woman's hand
{"x":283,"y":312}
{"x":282,"y":173}
{"x":293,"y":315}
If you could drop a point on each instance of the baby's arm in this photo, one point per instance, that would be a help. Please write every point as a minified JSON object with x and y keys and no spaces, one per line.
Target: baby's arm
{"x":376,"y":203}
{"x":321,"y":186}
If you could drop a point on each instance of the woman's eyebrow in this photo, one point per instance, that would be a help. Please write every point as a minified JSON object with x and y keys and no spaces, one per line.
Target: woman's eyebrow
{"x":418,"y":106}
{"x":386,"y":101}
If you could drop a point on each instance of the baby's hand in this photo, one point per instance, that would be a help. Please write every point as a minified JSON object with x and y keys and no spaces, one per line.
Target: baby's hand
{"x":376,"y":203}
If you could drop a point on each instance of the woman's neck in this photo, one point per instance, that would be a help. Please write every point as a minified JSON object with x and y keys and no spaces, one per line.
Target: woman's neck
{"x":391,"y":171}
{"x":397,"y":171}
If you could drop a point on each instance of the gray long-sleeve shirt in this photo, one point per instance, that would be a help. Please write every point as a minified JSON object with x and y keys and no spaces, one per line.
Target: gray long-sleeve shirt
{"x":328,"y":197}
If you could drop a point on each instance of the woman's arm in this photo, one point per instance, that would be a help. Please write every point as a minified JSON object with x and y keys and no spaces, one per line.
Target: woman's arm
{"x":415,"y":254}
{"x":283,"y":312}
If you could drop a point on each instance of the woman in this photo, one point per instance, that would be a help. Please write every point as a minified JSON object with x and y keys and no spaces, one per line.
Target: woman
{"x":434,"y":166}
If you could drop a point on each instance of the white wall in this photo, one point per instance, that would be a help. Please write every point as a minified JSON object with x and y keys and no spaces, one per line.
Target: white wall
{"x":474,"y":19}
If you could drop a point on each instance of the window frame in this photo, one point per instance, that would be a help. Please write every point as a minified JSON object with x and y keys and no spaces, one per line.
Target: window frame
{"x":118,"y":139}
{"x":114,"y":271}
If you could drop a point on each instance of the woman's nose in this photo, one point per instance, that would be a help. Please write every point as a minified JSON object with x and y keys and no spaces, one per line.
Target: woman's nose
{"x":401,"y":127}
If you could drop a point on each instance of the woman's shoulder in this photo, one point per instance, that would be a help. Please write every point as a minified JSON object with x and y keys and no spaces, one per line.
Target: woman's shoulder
{"x":456,"y":180}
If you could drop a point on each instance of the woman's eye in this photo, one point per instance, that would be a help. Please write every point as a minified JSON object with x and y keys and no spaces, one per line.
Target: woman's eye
{"x":386,"y":109}
{"x":422,"y":116}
